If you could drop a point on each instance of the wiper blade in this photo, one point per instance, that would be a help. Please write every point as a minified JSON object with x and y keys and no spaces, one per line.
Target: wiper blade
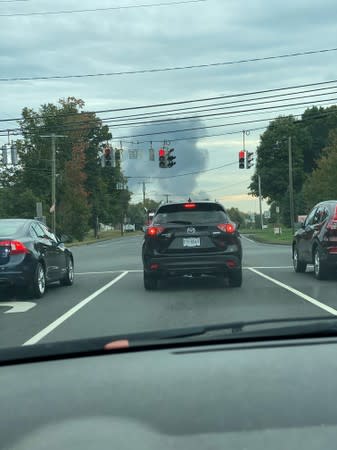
{"x":238,"y":327}
{"x":183,"y":222}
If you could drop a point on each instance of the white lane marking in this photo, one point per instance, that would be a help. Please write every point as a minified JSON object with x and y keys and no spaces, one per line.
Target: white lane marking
{"x":109,"y":272}
{"x":296,"y":292}
{"x":71,"y":312}
{"x":269,"y":267}
{"x":18,"y":307}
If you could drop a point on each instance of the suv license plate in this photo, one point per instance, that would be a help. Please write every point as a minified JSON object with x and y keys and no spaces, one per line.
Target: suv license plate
{"x":191,"y":242}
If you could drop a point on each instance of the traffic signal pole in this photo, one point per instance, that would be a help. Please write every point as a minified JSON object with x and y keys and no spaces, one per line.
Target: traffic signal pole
{"x":260,"y":201}
{"x":291,"y":184}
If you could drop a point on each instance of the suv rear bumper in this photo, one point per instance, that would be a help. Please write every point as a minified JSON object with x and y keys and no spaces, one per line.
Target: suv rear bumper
{"x":191,"y":264}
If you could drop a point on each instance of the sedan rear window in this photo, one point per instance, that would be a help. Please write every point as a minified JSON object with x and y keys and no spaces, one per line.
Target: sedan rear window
{"x":9,"y":228}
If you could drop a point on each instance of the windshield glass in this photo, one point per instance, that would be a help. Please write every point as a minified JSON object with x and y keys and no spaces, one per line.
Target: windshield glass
{"x":172,"y":164}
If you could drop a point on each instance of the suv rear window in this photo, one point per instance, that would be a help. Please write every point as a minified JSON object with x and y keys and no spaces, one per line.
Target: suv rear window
{"x":200,"y":213}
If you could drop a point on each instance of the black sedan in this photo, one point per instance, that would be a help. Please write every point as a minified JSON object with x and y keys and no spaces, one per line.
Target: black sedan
{"x":31,"y":256}
{"x":316,"y":241}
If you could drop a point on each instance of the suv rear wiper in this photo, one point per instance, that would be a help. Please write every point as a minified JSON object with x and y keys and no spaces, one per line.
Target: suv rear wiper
{"x":184,"y":222}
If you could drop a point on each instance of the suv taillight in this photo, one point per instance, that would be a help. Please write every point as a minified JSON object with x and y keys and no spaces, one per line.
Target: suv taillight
{"x":332,"y":225}
{"x":154,"y":231}
{"x":16,"y":247}
{"x":226,"y":227}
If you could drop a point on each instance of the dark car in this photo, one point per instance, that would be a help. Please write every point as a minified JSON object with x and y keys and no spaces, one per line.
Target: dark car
{"x":31,"y":256}
{"x":316,"y":241}
{"x":192,"y":238}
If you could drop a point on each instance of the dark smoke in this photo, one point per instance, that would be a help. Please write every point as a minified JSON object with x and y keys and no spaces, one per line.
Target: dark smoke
{"x":190,"y":158}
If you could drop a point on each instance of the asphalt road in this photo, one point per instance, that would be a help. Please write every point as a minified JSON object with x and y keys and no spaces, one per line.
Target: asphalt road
{"x":108,"y":296}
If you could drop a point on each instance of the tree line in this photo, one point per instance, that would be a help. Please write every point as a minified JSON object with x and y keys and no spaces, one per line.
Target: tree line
{"x":314,"y":161}
{"x":85,"y":191}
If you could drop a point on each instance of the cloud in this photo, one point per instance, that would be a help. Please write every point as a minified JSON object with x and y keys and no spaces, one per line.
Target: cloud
{"x":190,"y":157}
{"x":145,"y":38}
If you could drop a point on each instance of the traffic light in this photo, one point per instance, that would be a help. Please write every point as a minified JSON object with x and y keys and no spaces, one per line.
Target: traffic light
{"x":4,"y":155}
{"x":171,"y":158}
{"x":118,"y":157}
{"x":250,"y":160}
{"x":107,"y":156}
{"x":242,"y":156}
{"x":162,"y":158}
{"x":14,"y":155}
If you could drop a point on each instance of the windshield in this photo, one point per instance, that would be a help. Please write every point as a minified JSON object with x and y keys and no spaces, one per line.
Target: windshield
{"x":166,"y":165}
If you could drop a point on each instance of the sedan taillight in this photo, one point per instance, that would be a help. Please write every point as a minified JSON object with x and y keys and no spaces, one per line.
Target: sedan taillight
{"x":154,"y":231}
{"x":226,"y":227}
{"x":16,"y":247}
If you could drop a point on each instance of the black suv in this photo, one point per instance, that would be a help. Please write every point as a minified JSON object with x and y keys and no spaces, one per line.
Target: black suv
{"x":316,"y":241}
{"x":192,"y":238}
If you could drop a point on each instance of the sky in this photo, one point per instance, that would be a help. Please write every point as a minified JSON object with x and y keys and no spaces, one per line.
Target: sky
{"x":139,"y":35}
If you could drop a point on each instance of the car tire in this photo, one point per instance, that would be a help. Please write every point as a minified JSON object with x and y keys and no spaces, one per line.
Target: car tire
{"x":38,"y":286}
{"x":68,"y":279}
{"x":150,"y":282}
{"x":321,"y":270}
{"x":299,"y":266}
{"x":235,"y":278}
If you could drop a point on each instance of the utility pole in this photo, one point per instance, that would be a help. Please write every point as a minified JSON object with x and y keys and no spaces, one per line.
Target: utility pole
{"x":167,"y":197}
{"x":291,"y":184}
{"x":53,"y":137}
{"x":144,"y":192}
{"x":144,"y":183}
{"x":260,"y":201}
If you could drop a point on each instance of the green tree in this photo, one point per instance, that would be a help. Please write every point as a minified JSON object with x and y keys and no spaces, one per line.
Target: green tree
{"x":99,"y":191}
{"x":321,"y":184}
{"x":236,"y":215}
{"x":272,"y":163}
{"x":73,"y":207}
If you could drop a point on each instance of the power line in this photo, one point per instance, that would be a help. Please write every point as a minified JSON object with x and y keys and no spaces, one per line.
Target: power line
{"x":184,"y":174}
{"x":207,"y":116}
{"x":120,"y":138}
{"x":112,"y":8}
{"x":189,"y":109}
{"x":170,"y":69}
{"x":201,"y":128}
{"x":74,"y":126}
{"x":241,"y":112}
{"x":182,"y":102}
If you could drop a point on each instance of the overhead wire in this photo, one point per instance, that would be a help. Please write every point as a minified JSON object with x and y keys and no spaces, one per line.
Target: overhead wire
{"x":181,"y":102}
{"x":236,"y":113}
{"x":110,"y":8}
{"x":167,"y":69}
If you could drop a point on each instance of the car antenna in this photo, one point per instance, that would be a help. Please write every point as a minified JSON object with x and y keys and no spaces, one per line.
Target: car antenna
{"x":189,"y":200}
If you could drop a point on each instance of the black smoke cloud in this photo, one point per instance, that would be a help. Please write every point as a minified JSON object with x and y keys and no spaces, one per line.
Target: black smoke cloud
{"x":189,"y":158}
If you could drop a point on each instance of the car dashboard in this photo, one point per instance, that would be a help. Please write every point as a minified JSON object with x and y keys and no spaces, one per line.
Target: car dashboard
{"x":274,"y":395}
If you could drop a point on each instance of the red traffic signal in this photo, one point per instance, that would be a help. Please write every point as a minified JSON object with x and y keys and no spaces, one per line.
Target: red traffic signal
{"x":242,"y":156}
{"x":162,"y":158}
